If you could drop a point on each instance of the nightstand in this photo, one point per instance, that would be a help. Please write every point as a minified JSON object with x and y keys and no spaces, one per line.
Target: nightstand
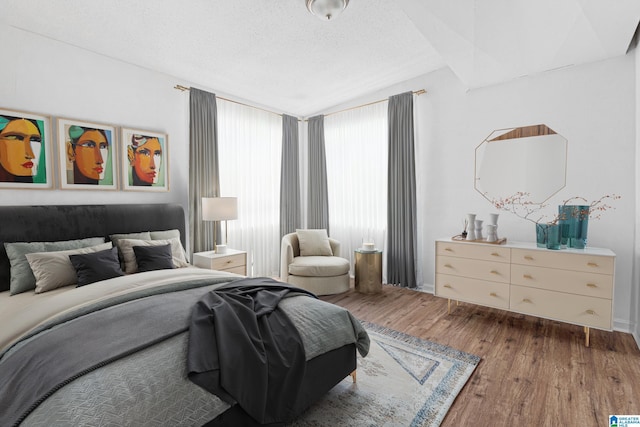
{"x":232,"y":260}
{"x":368,"y":271}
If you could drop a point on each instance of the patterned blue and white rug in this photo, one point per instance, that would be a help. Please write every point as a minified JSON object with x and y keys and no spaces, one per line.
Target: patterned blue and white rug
{"x":404,"y":381}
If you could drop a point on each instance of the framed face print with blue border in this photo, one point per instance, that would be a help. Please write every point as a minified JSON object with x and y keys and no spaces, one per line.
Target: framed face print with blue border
{"x":87,"y":155}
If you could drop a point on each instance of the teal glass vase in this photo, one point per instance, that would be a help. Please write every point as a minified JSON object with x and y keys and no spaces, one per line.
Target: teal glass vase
{"x":548,"y":236}
{"x":575,"y":222}
{"x":541,"y":235}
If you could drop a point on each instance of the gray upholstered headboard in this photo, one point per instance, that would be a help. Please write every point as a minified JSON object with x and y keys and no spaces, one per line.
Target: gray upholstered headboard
{"x":69,"y":222}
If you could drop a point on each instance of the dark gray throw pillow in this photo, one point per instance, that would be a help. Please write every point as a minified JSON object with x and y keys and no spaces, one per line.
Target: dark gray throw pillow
{"x":151,"y":258}
{"x":96,"y":266}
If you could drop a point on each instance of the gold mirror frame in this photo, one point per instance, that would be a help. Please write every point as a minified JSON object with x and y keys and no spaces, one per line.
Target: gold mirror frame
{"x":530,"y":160}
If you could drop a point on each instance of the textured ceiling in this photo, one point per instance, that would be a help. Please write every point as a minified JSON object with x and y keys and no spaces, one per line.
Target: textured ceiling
{"x":274,"y":53}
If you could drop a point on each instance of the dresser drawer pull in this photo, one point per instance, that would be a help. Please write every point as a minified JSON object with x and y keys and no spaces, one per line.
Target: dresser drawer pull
{"x":448,"y":249}
{"x":592,"y":264}
{"x":494,"y":272}
{"x":448,"y":265}
{"x":528,"y":257}
{"x":591,"y":312}
{"x":592,"y":285}
{"x":447,"y":286}
{"x":495,"y":254}
{"x":527,"y":276}
{"x":526,"y":300}
{"x":493,"y":294}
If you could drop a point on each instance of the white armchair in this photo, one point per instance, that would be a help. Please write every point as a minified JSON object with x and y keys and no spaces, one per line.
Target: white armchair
{"x":321,"y":274}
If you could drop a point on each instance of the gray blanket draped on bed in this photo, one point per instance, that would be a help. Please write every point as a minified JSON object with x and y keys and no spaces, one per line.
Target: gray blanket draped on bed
{"x":240,"y":325}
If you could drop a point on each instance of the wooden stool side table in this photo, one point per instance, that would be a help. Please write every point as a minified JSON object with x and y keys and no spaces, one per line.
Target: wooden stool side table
{"x":368,"y":271}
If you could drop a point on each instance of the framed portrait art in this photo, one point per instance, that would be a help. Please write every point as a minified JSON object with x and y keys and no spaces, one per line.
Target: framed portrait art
{"x":87,"y":155}
{"x":145,"y":160}
{"x":25,"y":150}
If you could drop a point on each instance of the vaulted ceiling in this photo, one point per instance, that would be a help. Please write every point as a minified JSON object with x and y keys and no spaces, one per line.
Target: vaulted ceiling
{"x":275,"y":53}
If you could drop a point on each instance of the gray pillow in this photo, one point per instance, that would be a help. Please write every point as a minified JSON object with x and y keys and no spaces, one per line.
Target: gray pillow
{"x":54,"y":270}
{"x":96,"y":266}
{"x":163,"y":235}
{"x":314,"y":242}
{"x":115,"y":238}
{"x":22,"y":278}
{"x":150,"y":258}
{"x":130,"y":265}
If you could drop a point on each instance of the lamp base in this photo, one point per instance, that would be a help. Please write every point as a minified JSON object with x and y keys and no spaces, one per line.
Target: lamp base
{"x":221,"y":249}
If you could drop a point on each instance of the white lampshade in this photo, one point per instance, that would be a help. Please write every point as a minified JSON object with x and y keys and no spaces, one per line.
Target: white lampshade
{"x":219,"y":208}
{"x":326,"y":9}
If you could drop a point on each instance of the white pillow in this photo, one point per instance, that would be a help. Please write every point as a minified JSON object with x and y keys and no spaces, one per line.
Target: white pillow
{"x":314,"y":243}
{"x":130,"y":264}
{"x":53,"y":270}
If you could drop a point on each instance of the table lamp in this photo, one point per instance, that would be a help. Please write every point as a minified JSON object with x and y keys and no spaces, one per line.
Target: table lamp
{"x":219,"y":209}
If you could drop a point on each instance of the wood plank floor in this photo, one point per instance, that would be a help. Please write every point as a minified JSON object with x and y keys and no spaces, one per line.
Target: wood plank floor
{"x":533,"y":372}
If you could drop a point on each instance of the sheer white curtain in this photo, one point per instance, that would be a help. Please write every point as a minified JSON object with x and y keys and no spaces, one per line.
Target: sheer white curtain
{"x":356,"y":151}
{"x":249,"y":145}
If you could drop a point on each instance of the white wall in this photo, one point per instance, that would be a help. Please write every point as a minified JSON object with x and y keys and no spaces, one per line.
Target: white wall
{"x":592,"y":105}
{"x":635,"y":288}
{"x":44,"y":76}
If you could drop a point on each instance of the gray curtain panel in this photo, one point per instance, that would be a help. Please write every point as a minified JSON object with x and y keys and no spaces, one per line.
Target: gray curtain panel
{"x":290,"y":214}
{"x":401,"y":209}
{"x":318,"y":215}
{"x":203,"y":166}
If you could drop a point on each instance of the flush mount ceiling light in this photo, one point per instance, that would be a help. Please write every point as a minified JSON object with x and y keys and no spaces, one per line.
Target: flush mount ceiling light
{"x":326,"y":9}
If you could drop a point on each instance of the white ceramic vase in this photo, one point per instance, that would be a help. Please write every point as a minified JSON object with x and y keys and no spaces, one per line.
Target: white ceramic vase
{"x":479,"y":229}
{"x":471,"y":221}
{"x":491,"y":232}
{"x":493,"y":220}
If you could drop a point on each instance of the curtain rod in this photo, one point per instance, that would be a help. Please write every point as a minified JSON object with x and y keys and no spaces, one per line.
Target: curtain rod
{"x":185,"y":88}
{"x":415,"y":92}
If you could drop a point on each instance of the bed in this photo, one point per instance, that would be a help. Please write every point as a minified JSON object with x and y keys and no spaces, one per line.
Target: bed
{"x":120,"y":351}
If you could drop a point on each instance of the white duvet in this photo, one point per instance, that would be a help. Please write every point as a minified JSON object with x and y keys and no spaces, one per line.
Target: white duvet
{"x":21,"y":313}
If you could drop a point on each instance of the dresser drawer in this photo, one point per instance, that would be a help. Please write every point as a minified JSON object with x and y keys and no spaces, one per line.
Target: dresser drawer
{"x":234,"y":263}
{"x":475,"y":269}
{"x":475,"y":251}
{"x":577,"y":309}
{"x":567,"y":261}
{"x":475,"y":291}
{"x":237,"y":270}
{"x":228,"y":262}
{"x":573,"y":282}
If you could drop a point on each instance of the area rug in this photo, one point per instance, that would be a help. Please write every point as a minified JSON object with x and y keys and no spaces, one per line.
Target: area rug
{"x":403,"y":381}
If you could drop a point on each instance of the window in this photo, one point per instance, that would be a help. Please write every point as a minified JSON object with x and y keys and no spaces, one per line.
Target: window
{"x":356,"y":151}
{"x":249,"y":145}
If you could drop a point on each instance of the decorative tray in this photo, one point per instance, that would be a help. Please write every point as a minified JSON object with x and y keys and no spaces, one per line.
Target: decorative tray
{"x":459,"y":238}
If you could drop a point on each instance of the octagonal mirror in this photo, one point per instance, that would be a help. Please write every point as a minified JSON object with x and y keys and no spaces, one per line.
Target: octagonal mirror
{"x":530,"y":159}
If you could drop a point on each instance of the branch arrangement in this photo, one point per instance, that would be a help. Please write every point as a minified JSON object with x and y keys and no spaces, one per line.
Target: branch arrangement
{"x":520,"y":205}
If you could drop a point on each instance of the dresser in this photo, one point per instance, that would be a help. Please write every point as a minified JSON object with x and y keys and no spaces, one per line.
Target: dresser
{"x":232,"y":260}
{"x":569,"y":285}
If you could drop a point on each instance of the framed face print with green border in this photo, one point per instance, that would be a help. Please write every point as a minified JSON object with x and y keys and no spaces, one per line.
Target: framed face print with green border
{"x":25,"y":150}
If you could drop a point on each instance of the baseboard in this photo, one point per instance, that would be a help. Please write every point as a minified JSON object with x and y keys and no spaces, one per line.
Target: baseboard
{"x":636,"y":336}
{"x":623,"y":326}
